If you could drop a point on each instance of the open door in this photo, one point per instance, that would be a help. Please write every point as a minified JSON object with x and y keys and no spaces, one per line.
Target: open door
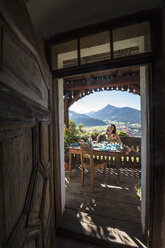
{"x":26,"y":168}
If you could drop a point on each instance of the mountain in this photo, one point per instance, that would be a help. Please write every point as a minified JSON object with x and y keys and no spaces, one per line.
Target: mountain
{"x":85,"y":119}
{"x":112,"y":113}
{"x":90,"y":113}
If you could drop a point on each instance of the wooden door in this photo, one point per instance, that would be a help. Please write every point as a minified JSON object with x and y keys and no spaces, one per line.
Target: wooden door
{"x":26,"y":168}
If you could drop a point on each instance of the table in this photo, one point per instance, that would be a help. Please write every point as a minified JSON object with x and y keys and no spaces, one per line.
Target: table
{"x":97,"y":152}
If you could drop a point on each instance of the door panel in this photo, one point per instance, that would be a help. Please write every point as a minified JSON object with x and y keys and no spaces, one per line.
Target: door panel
{"x":26,"y":166}
{"x":34,"y":213}
{"x":47,"y":212}
{"x":44,"y":143}
{"x":15,"y":164}
{"x":31,"y":244}
{"x":21,"y":70}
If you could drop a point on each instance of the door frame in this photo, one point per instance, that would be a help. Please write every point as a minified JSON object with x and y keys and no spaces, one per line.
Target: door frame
{"x":140,"y":59}
{"x":149,"y":181}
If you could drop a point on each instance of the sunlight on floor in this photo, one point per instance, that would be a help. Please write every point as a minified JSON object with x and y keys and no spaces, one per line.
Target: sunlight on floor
{"x":142,"y":245}
{"x":111,"y":186}
{"x":108,"y":233}
{"x":111,"y":234}
{"x":84,"y":217}
{"x":110,"y":213}
{"x":88,"y":207}
{"x":66,"y":180}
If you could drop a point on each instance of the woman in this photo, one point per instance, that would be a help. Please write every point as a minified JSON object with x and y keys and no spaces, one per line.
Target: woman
{"x":111,"y":136}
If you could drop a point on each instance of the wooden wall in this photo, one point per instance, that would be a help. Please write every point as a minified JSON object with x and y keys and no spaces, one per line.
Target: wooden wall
{"x":27,"y":214}
{"x":158,"y":130}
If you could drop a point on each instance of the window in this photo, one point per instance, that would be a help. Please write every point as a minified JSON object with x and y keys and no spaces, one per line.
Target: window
{"x":127,"y":41}
{"x":64,"y":55}
{"x":131,"y":40}
{"x":95,"y":47}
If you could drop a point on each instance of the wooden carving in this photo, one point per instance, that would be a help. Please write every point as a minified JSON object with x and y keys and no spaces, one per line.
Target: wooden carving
{"x":44,"y":143}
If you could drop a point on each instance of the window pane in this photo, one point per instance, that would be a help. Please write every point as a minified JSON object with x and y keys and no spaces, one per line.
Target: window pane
{"x":131,"y":40}
{"x":64,"y":55}
{"x":95,"y":48}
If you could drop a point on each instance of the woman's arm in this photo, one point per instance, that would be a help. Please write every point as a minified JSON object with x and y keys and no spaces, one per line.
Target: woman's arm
{"x":100,"y":135}
{"x":117,"y":138}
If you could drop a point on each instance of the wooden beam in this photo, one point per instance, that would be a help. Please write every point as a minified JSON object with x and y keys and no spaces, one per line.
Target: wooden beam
{"x":111,"y":44}
{"x":66,"y":106}
{"x":119,"y":72}
{"x":133,"y":60}
{"x":78,"y":52}
{"x":56,"y":152}
{"x":76,"y":97}
{"x":92,"y":84}
{"x":135,"y":87}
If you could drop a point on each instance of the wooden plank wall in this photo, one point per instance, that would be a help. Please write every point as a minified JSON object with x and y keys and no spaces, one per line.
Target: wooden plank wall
{"x":27,"y":213}
{"x":157,"y":192}
{"x":56,"y":153}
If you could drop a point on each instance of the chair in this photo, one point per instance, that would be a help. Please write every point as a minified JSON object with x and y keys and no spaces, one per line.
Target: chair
{"x":88,"y":163}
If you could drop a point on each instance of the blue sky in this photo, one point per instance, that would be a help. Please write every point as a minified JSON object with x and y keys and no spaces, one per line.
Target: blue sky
{"x":99,"y":100}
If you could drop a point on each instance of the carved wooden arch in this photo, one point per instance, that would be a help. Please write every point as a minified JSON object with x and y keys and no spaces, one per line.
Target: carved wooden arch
{"x":77,"y":87}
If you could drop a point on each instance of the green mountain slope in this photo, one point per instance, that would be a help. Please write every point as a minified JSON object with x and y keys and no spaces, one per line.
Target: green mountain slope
{"x":112,"y":113}
{"x":85,"y":119}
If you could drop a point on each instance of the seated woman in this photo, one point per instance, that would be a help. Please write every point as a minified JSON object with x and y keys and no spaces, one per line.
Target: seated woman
{"x":111,"y":136}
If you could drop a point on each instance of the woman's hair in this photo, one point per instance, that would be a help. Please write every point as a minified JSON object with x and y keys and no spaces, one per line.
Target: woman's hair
{"x":114,"y":130}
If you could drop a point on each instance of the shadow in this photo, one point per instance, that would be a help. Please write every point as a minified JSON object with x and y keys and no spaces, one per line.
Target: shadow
{"x":108,"y":215}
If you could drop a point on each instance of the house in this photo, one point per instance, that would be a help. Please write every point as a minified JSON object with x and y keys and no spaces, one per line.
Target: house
{"x":31,"y":106}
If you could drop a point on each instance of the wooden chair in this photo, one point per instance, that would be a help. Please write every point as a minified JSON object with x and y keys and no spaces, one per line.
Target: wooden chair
{"x":88,"y":163}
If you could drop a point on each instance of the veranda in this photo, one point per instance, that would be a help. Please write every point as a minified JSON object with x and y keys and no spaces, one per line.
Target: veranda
{"x":111,"y":215}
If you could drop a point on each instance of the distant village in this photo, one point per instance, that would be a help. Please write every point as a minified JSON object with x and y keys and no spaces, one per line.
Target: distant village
{"x":133,"y":129}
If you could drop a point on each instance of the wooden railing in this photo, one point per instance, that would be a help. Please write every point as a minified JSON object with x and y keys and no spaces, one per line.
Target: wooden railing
{"x":133,"y":160}
{"x":134,"y":142}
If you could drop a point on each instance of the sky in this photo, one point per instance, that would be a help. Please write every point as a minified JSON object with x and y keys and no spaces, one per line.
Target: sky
{"x":99,"y":100}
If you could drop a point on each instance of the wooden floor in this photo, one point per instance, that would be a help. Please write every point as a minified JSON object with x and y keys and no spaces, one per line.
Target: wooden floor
{"x":68,"y":242}
{"x":110,"y":215}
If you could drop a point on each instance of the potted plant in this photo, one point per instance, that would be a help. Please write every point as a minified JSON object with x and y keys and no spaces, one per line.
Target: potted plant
{"x":94,"y":134}
{"x":70,"y":136}
{"x":84,"y":137}
{"x":80,"y":133}
{"x":122,"y":133}
{"x":138,"y":193}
